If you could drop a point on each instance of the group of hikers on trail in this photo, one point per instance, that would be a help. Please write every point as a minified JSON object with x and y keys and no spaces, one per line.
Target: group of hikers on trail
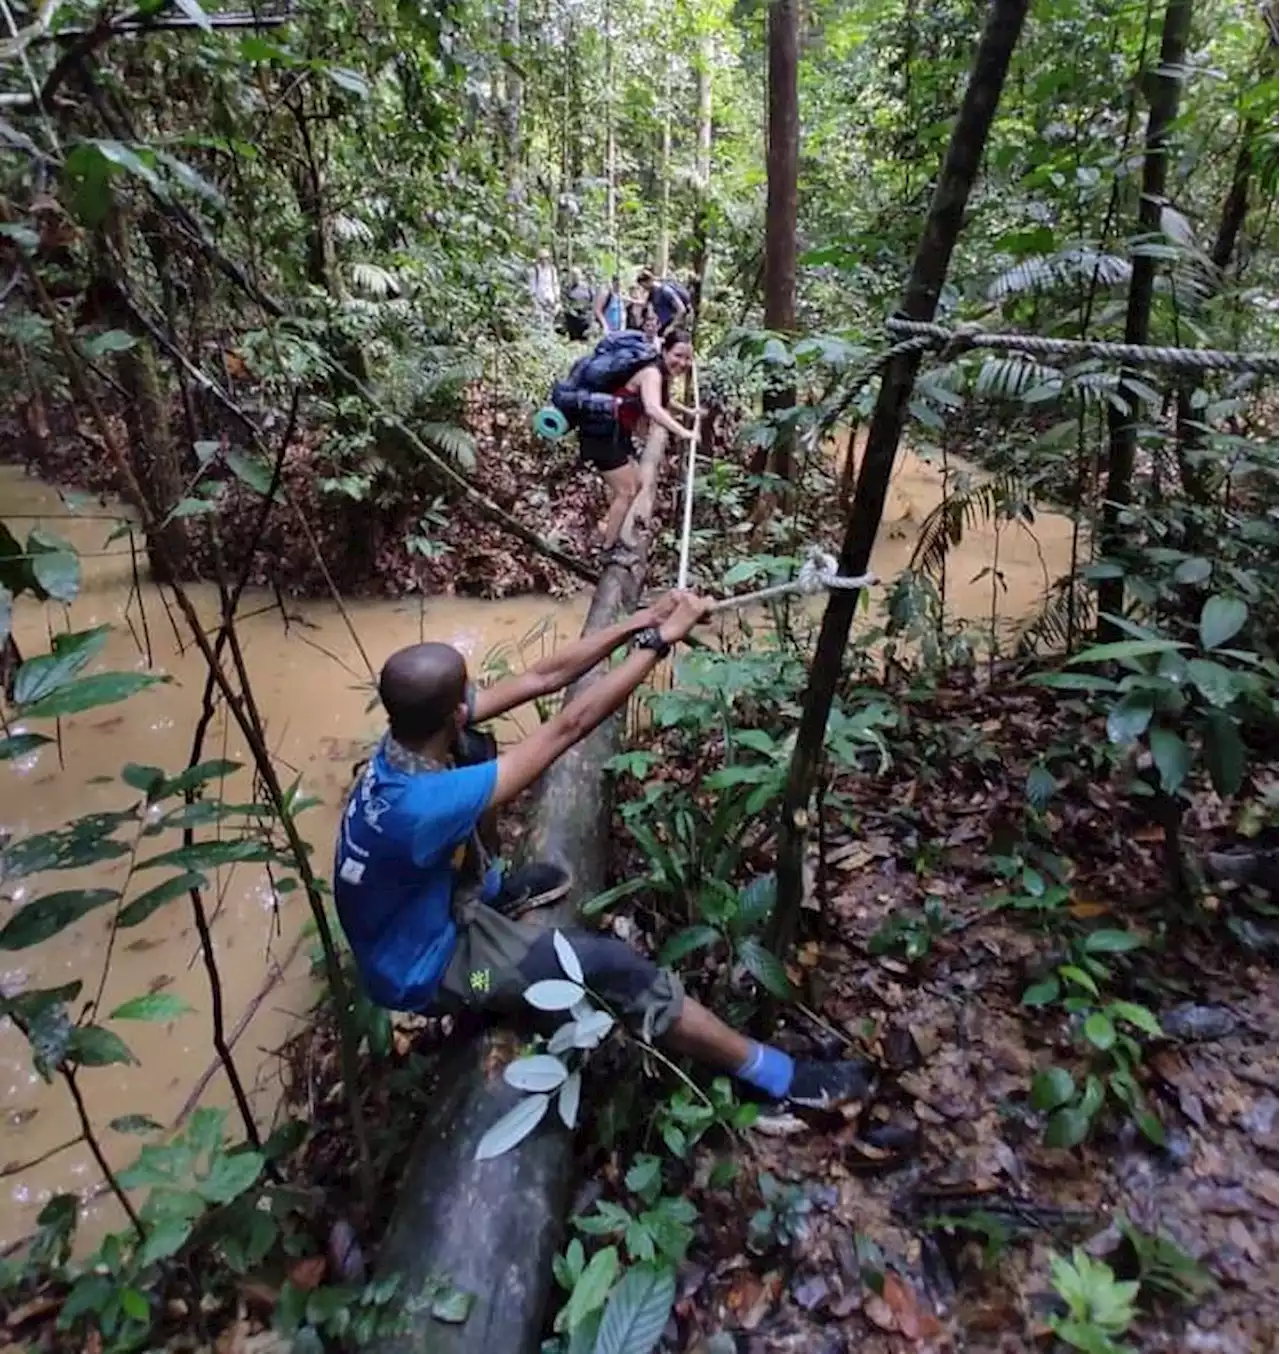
{"x":434,"y":920}
{"x":619,"y":398}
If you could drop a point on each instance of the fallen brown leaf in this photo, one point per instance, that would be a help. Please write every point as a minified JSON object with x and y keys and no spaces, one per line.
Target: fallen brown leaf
{"x":308,"y":1273}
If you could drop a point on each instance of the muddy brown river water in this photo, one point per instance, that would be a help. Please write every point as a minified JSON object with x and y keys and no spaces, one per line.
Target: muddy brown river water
{"x":314,"y":691}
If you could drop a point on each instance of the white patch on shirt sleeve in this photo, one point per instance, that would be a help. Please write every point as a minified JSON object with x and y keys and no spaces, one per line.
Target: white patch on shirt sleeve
{"x":352,"y":871}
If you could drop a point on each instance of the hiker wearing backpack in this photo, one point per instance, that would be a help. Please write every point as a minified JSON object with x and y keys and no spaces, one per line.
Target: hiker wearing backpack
{"x":621,"y":388}
{"x":611,"y":309}
{"x":669,"y":300}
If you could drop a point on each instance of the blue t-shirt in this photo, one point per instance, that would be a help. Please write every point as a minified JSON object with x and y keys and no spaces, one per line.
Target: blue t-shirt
{"x":401,"y":841}
{"x":664,"y":299}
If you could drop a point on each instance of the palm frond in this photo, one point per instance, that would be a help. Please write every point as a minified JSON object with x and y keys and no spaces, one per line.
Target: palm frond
{"x":450,"y":440}
{"x":1074,"y":267}
{"x":944,"y":527}
{"x":348,"y":228}
{"x":373,"y":281}
{"x":1005,"y":378}
{"x":1054,"y":626}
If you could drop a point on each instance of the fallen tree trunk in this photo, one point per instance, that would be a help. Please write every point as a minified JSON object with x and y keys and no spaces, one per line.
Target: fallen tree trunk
{"x":492,"y":1227}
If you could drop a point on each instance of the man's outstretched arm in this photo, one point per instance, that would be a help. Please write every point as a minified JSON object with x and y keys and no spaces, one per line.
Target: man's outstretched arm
{"x":568,"y":663}
{"x":521,"y":765}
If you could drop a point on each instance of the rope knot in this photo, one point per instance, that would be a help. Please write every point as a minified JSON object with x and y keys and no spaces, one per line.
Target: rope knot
{"x":817,"y":572}
{"x":965,"y":336}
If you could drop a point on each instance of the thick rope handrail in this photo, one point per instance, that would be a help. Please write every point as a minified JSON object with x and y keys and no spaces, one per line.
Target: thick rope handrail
{"x":1137,"y":354}
{"x":819,"y":573}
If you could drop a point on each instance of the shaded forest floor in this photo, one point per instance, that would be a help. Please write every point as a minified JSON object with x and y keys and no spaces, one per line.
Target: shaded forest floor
{"x":927,"y":1220}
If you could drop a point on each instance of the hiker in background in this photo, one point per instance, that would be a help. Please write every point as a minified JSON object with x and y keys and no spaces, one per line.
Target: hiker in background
{"x":611,"y":309}
{"x":637,"y":304}
{"x":669,"y":300}
{"x":544,"y":288}
{"x":607,"y":397}
{"x":649,"y":328}
{"x":577,"y":306}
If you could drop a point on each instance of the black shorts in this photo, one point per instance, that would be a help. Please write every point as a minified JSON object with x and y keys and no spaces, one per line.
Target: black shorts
{"x":610,"y":452}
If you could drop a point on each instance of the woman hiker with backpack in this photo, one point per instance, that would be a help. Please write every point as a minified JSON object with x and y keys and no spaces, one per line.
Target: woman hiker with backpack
{"x":608,"y":397}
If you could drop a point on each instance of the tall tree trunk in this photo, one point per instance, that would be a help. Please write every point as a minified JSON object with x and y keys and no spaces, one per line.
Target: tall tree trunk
{"x":702,"y":220}
{"x":1121,"y":425}
{"x":664,"y":218}
{"x":780,"y":212}
{"x":610,"y":142}
{"x":928,"y":273}
{"x":514,"y":97}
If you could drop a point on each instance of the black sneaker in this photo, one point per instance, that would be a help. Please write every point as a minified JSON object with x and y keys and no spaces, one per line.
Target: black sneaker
{"x":828,"y":1085}
{"x":531,"y":886}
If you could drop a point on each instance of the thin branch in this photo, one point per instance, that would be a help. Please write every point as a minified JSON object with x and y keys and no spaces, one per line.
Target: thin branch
{"x":86,"y":1131}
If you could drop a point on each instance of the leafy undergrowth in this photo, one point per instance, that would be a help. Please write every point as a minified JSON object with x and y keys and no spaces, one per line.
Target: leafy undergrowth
{"x":930,"y":1218}
{"x":938,"y":1215}
{"x":390,"y":530}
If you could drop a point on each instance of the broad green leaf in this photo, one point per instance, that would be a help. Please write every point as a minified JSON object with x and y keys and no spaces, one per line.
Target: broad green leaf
{"x":542,"y":1072}
{"x":19,"y":744}
{"x":87,"y":693}
{"x":567,"y":956}
{"x":1192,"y":571}
{"x":1052,"y":1088}
{"x":1042,"y":993}
{"x":209,"y":855}
{"x":1218,"y":685}
{"x":136,"y":912}
{"x":134,"y":1304}
{"x":1220,"y":618}
{"x":94,"y":1046}
{"x":637,"y":1311}
{"x":200,"y":774}
{"x":513,"y":1127}
{"x":1092,"y":1097}
{"x":113,"y":341}
{"x":1079,"y":977}
{"x":1224,"y":753}
{"x":590,"y":1291}
{"x":40,"y":676}
{"x":194,"y":507}
{"x":1040,"y":786}
{"x":683,"y":943}
{"x":153,"y":1006}
{"x":766,"y":968}
{"x":1099,"y":1030}
{"x":1172,"y":758}
{"x":569,"y":1100}
{"x":554,"y":994}
{"x":144,"y":779}
{"x":230,"y":1176}
{"x":164,"y":1240}
{"x":1128,"y":718}
{"x":1152,"y":1128}
{"x":1125,"y":648}
{"x":1111,"y":941}
{"x":603,"y":901}
{"x":756,"y":900}
{"x":1067,"y":1127}
{"x":250,"y":470}
{"x":55,"y":566}
{"x":45,"y":917}
{"x":1137,"y":1016}
{"x":644,"y":1171}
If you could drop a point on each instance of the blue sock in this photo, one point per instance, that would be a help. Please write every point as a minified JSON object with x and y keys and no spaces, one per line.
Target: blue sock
{"x":768,"y":1069}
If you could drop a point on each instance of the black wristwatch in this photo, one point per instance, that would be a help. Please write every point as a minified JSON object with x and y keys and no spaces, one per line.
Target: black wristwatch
{"x":651,"y":638}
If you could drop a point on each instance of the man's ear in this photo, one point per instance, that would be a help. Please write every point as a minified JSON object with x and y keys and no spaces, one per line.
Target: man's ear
{"x":462,"y":715}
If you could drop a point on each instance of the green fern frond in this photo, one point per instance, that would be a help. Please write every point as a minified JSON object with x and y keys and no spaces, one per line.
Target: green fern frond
{"x":374,"y":281}
{"x":347,"y":228}
{"x":450,"y":440}
{"x":1004,"y":496}
{"x":1005,"y":378}
{"x":1074,"y":267}
{"x":1053,"y":628}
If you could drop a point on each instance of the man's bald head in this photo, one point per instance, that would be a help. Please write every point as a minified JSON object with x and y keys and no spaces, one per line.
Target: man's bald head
{"x":421,"y":689}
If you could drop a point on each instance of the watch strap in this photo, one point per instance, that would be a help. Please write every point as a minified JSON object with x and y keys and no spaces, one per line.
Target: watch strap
{"x":651,"y":638}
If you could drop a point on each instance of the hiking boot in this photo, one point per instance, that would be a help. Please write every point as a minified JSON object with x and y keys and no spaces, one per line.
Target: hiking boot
{"x":530,"y":886}
{"x":828,"y":1085}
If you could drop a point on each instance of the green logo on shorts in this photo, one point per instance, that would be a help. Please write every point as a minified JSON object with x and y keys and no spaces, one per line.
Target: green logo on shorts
{"x":479,"y":979}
